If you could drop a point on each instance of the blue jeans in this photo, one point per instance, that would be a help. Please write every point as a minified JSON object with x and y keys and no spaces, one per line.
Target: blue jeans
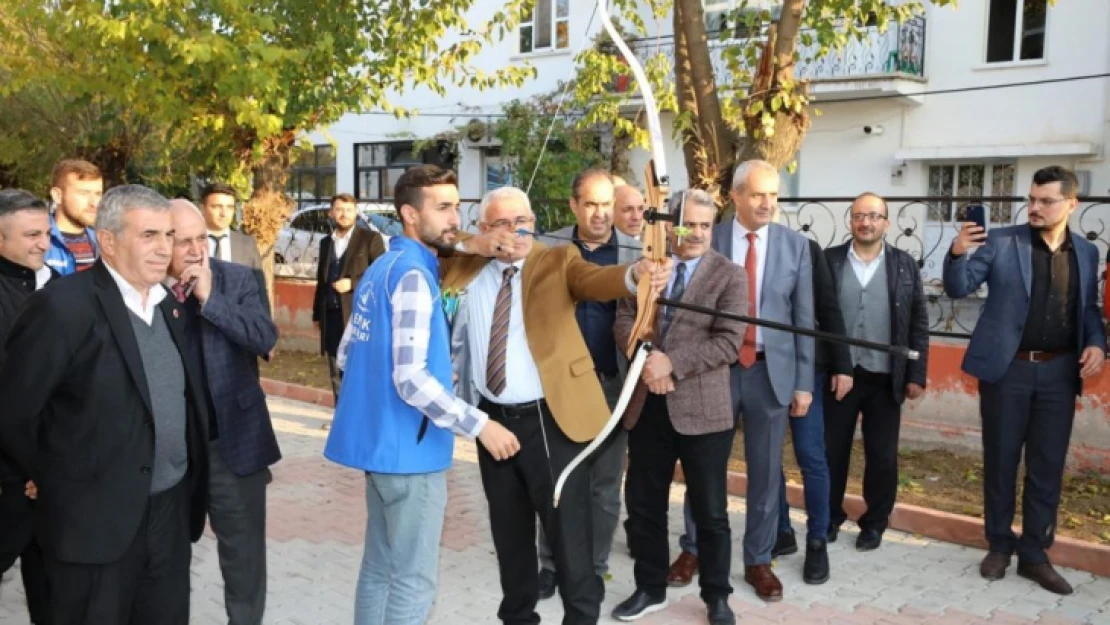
{"x":809,"y":449}
{"x":397,"y":581}
{"x":808,"y":433}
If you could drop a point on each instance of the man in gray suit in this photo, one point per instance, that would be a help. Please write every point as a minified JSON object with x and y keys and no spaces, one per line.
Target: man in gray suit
{"x":599,"y":242}
{"x":773,"y":379}
{"x":682,"y":411}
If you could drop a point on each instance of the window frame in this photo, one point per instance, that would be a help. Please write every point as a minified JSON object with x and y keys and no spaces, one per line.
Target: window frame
{"x":294,"y":185}
{"x":1019,"y":24}
{"x":529,"y":21}
{"x":427,"y":157}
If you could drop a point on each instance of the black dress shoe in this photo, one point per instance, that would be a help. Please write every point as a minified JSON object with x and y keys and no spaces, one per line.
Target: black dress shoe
{"x":868,"y":540}
{"x":816,"y":568}
{"x":547,"y":584}
{"x":993,"y":566}
{"x":639,"y":604}
{"x":834,"y":532}
{"x":1046,"y":576}
{"x":785,"y":545}
{"x":717,"y":612}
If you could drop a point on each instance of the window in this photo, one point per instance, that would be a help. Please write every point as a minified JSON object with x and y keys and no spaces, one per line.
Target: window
{"x":720,"y":15}
{"x":543,"y":29}
{"x":379,"y":165}
{"x":1015,"y":30}
{"x":498,"y":173}
{"x":971,"y":180}
{"x":312,"y":176}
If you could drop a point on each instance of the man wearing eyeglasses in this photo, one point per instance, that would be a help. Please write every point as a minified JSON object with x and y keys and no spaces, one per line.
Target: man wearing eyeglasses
{"x":1039,"y":334}
{"x":882,"y":300}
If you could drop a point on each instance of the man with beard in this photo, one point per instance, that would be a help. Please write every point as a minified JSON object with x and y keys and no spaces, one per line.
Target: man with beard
{"x":882,"y":300}
{"x":228,"y":330}
{"x":1039,"y":334}
{"x":397,"y":423}
{"x":344,"y":256}
{"x":601,"y":244}
{"x":24,"y":239}
{"x":75,"y":187}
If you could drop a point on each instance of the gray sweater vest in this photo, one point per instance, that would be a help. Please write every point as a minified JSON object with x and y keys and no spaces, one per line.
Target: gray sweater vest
{"x":866,"y":312}
{"x":165,"y":376}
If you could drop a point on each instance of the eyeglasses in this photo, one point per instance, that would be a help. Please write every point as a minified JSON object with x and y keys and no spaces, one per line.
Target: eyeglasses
{"x":871,"y":216}
{"x":519,"y":222}
{"x":1044,"y":202}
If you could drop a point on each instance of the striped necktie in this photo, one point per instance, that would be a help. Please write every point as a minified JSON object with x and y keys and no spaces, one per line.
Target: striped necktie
{"x":499,"y":334}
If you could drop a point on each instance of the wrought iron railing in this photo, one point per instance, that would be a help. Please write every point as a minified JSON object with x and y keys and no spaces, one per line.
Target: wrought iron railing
{"x":899,"y":49}
{"x":922,"y":226}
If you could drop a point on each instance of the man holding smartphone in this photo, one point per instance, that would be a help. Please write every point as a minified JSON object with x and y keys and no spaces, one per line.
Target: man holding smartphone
{"x":1039,"y":334}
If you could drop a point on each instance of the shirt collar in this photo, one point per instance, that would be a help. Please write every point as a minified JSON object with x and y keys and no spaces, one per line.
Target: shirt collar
{"x":218,"y":234}
{"x":854,"y":256}
{"x":337,"y":237}
{"x":760,"y":233}
{"x":154,"y":296}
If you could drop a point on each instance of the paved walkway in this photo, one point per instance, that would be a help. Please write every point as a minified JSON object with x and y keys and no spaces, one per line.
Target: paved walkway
{"x":316,"y":525}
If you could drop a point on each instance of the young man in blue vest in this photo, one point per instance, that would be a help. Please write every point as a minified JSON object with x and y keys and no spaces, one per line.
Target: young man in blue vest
{"x":397,"y":418}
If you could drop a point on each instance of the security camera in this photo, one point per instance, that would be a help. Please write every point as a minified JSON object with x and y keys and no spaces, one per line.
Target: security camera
{"x":872,"y":130}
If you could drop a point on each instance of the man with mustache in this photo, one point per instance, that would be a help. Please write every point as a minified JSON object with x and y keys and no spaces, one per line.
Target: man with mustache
{"x":521,"y":357}
{"x":1039,"y":335}
{"x":24,"y":239}
{"x":681,"y":411}
{"x":398,"y":420}
{"x":228,"y":330}
{"x":104,"y":411}
{"x":882,"y":300}
{"x":600,"y":243}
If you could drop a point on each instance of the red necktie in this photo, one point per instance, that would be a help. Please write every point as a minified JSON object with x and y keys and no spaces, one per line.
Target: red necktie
{"x":747,"y":348}
{"x":179,"y":292}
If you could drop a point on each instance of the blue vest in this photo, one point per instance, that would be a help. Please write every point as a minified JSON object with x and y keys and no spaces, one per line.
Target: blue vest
{"x":374,"y":429}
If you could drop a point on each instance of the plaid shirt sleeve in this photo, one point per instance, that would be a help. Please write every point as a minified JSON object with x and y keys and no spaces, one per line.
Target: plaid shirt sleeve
{"x":412,"y":303}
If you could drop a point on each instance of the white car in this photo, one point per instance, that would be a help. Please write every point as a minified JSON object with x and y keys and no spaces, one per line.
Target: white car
{"x":298,"y":243}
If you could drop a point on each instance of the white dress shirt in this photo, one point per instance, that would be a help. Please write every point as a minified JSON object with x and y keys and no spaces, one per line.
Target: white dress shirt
{"x":225,"y":245}
{"x":341,"y":241}
{"x":739,"y":255}
{"x":522,"y":378}
{"x":134,"y":301}
{"x":865,"y":270}
{"x":42,"y":276}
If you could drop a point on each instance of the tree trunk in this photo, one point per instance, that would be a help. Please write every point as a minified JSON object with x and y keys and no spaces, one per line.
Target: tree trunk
{"x":265,"y":213}
{"x":708,"y":143}
{"x":776,"y":67}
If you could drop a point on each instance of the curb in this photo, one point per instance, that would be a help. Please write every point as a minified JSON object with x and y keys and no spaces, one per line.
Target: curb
{"x":945,"y":526}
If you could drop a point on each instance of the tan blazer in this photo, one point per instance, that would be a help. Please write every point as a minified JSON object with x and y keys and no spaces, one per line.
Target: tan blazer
{"x":701,"y":348}
{"x":554,"y":280}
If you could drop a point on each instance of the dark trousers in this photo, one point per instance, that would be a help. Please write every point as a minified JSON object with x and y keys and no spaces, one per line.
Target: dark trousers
{"x":148,"y":585}
{"x":872,"y":396}
{"x":333,"y":336}
{"x":237,"y":513}
{"x":653,"y":448}
{"x":17,"y":541}
{"x":1032,"y":408}
{"x":519,"y":489}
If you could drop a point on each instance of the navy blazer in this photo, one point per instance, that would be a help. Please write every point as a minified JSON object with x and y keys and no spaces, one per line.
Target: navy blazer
{"x":235,"y":331}
{"x":1005,"y":263}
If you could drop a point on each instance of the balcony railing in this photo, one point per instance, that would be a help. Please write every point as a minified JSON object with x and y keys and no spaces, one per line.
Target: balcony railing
{"x":898,"y":51}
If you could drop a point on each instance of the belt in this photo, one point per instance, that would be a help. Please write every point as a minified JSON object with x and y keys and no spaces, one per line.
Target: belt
{"x":514,"y":411}
{"x":1037,"y":356}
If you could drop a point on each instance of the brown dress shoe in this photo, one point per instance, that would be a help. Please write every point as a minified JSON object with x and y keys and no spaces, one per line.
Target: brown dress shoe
{"x":994,"y":565}
{"x":767,"y":586}
{"x":1046,"y":576}
{"x":683,"y":570}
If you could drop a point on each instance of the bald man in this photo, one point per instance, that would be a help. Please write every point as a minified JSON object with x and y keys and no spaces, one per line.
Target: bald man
{"x":628,"y":210}
{"x":228,"y":329}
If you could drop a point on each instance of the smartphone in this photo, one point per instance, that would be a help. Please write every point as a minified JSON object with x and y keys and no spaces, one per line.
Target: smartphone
{"x":977,"y":214}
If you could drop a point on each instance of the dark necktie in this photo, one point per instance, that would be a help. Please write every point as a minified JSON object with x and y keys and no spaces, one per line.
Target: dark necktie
{"x":499,"y":334}
{"x":218,"y":240}
{"x":677,"y":290}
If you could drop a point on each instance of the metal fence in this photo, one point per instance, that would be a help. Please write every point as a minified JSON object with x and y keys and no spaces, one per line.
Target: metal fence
{"x":922,"y":226}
